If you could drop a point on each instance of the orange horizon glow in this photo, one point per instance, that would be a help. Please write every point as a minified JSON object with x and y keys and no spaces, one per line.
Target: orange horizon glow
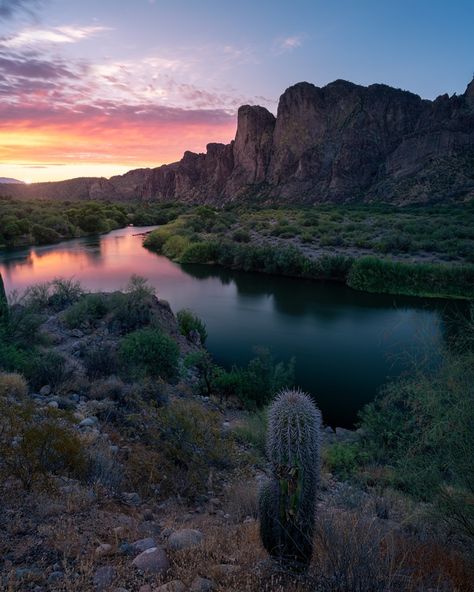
{"x":38,"y":153}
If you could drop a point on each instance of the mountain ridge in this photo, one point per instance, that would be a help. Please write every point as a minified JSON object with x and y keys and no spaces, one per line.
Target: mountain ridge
{"x":341,"y":142}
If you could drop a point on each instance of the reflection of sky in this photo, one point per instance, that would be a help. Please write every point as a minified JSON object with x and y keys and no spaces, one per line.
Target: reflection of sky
{"x":97,"y":88}
{"x":346,"y":343}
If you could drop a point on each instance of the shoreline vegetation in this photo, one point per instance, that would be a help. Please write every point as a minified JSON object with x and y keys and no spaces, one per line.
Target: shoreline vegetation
{"x":413,"y":251}
{"x":202,"y":237}
{"x":115,"y":417}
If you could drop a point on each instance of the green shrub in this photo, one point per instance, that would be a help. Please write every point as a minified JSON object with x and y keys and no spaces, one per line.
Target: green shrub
{"x":87,"y":311}
{"x":377,"y":275}
{"x":256,"y":384}
{"x":188,"y":322}
{"x":48,"y":367}
{"x":421,"y":427}
{"x":100,"y":360}
{"x":241,"y":236}
{"x":132,"y":309}
{"x":149,"y":352}
{"x":175,"y":246}
{"x":252,"y":430}
{"x":341,"y":459}
{"x":200,"y":253}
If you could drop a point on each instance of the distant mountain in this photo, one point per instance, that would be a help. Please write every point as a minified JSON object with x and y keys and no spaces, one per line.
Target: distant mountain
{"x":342,"y":142}
{"x":10,"y":180}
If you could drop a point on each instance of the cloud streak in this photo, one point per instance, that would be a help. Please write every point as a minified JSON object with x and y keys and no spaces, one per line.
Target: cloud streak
{"x":57,"y":35}
{"x":10,"y":8}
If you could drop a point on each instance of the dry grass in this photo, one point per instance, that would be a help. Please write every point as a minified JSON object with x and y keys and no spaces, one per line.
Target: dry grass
{"x":13,"y":385}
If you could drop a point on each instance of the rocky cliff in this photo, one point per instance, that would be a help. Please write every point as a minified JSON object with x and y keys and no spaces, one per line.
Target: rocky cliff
{"x":341,"y":142}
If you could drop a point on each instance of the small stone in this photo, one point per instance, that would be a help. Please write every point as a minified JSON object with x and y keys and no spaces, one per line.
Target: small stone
{"x":88,"y":422}
{"x":53,"y":404}
{"x":126,"y":549}
{"x":104,"y":577}
{"x":184,"y":539}
{"x":153,"y":560}
{"x":74,"y":398}
{"x":77,"y":333}
{"x":45,"y":390}
{"x":103,"y":550}
{"x":55,"y":576}
{"x":202,"y":585}
{"x":249,"y":520}
{"x":145,"y":588}
{"x":120,"y":590}
{"x":173,"y":586}
{"x":143,"y":545}
{"x":131,"y":499}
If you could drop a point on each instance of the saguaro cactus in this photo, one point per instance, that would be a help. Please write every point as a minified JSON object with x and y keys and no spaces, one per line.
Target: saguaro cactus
{"x":288,"y":498}
{"x":3,"y":304}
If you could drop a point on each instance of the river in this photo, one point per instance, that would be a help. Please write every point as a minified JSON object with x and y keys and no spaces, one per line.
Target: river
{"x":346,"y":344}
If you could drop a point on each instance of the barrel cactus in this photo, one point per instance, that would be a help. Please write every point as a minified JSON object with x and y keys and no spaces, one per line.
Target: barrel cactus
{"x":288,"y":497}
{"x":3,"y":304}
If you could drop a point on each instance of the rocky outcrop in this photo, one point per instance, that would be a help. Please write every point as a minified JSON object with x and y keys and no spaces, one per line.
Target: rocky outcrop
{"x":341,"y":142}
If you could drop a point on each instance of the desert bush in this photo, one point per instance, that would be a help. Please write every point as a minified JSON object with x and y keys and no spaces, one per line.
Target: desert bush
{"x":48,"y":367}
{"x":99,"y":359}
{"x":421,"y":427}
{"x":241,"y":236}
{"x":188,"y":322}
{"x":56,"y":294}
{"x":252,"y":430}
{"x":191,"y":439}
{"x":108,"y":388}
{"x":13,"y":385}
{"x":355,"y":553}
{"x":103,"y":468}
{"x":149,"y":352}
{"x":86,"y":311}
{"x":241,"y":500}
{"x":132,"y":309}
{"x":33,"y":448}
{"x":341,"y":459}
{"x":256,"y":384}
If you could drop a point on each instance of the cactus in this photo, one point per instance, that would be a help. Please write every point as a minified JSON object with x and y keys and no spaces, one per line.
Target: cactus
{"x":287,"y":499}
{"x":3,"y":304}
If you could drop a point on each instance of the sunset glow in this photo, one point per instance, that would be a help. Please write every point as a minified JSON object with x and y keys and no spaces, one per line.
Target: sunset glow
{"x":96,"y":89}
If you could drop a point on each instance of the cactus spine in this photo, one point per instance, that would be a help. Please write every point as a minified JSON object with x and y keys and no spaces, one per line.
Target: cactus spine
{"x":288,"y":498}
{"x":3,"y":304}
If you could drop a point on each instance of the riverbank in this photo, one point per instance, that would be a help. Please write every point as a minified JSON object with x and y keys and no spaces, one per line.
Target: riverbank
{"x":182,"y":241}
{"x":43,"y":222}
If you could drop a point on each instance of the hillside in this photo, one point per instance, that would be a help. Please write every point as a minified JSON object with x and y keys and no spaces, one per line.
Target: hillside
{"x":342,"y":142}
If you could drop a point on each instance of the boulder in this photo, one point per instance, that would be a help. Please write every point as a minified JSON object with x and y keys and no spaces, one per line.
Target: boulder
{"x":154,"y":560}
{"x":184,"y":539}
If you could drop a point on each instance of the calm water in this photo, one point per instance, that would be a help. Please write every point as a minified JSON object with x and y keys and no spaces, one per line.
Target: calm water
{"x":346,"y":343}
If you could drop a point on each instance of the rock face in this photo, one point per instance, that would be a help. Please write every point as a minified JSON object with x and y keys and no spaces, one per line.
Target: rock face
{"x":341,"y":142}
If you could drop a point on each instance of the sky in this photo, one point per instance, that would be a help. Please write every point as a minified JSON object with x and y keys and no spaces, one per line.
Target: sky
{"x":96,"y":88}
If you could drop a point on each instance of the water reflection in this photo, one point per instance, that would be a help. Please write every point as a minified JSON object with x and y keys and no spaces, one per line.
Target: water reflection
{"x":346,"y":343}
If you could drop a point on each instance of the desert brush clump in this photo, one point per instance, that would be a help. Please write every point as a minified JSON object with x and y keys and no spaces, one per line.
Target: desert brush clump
{"x":288,"y":498}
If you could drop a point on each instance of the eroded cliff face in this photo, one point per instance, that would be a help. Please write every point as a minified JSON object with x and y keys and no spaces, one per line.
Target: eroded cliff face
{"x":341,"y":142}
